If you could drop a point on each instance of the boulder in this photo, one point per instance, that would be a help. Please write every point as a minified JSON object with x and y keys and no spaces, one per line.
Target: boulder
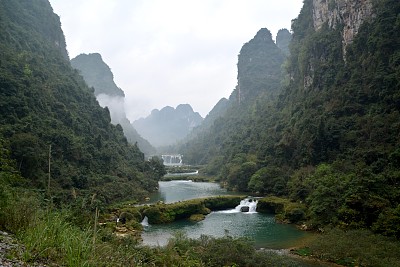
{"x":245,"y":209}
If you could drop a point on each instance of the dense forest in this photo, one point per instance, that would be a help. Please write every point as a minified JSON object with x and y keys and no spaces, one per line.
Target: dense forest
{"x":324,"y":131}
{"x":60,"y":138}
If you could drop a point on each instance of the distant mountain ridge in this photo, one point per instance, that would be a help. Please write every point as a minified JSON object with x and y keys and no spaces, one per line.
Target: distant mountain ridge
{"x":167,"y":126}
{"x":98,"y":75}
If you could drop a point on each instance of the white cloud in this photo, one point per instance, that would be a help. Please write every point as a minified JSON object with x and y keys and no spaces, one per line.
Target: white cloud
{"x":170,"y":52}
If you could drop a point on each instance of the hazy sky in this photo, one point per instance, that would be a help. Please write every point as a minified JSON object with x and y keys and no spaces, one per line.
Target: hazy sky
{"x":170,"y":52}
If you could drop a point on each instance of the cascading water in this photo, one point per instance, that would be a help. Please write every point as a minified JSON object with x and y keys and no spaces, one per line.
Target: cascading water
{"x":247,"y":205}
{"x":145,"y":222}
{"x":172,"y":160}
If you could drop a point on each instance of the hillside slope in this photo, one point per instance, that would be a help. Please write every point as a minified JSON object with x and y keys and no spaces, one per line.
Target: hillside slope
{"x":49,"y":115}
{"x":331,"y":137}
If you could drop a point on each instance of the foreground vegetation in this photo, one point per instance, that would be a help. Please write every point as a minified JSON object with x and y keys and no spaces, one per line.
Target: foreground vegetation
{"x":353,"y":248}
{"x":55,"y":240}
{"x":69,"y":237}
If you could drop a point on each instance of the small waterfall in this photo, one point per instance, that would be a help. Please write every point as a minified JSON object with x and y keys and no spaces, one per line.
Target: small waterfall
{"x":145,"y":222}
{"x":172,"y":160}
{"x":247,"y":205}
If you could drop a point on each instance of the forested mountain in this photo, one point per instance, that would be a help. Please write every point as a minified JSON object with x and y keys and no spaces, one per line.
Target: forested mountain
{"x":98,"y":75}
{"x":331,"y":137}
{"x":259,"y":80}
{"x":61,"y":140}
{"x":169,"y":125}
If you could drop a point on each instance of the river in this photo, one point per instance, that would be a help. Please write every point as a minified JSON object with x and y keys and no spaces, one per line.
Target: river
{"x":261,"y":228}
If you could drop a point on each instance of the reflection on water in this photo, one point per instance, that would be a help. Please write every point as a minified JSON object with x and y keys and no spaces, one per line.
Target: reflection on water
{"x":174,"y":191}
{"x":261,"y":228}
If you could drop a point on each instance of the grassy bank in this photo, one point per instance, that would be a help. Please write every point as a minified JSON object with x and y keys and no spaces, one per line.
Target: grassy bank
{"x":353,"y":248}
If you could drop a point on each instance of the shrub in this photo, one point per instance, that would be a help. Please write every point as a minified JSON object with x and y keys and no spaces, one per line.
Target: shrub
{"x":53,"y":238}
{"x":388,"y":223}
{"x":18,"y":209}
{"x":356,"y":248}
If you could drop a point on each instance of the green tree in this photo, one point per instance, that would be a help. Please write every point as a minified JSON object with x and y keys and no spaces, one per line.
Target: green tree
{"x":268,"y":180}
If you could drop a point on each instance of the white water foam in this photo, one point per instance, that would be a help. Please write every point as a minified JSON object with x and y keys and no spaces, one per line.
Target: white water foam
{"x":247,"y":202}
{"x":145,"y":222}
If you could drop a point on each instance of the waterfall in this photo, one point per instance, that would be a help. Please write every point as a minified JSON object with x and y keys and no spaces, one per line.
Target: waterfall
{"x":247,"y":205}
{"x":145,"y":222}
{"x":172,"y":160}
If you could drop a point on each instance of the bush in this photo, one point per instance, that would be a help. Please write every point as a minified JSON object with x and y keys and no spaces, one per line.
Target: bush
{"x":295,"y":215}
{"x":225,"y":251}
{"x":283,"y":208}
{"x":356,"y":248}
{"x":18,"y":209}
{"x":388,"y":223}
{"x":53,"y":238}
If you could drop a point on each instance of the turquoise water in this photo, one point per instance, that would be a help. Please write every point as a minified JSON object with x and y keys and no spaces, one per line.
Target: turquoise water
{"x":174,"y":191}
{"x":260,"y":228}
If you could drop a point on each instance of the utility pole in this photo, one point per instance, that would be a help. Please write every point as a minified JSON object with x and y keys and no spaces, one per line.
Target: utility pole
{"x":48,"y":181}
{"x":239,"y":94}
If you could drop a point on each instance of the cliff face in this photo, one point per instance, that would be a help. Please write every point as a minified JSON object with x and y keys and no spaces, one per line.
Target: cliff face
{"x":349,"y":14}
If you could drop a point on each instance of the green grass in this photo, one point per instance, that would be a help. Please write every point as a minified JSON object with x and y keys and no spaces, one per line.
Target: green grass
{"x":356,"y":248}
{"x":305,"y":251}
{"x":53,"y":238}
